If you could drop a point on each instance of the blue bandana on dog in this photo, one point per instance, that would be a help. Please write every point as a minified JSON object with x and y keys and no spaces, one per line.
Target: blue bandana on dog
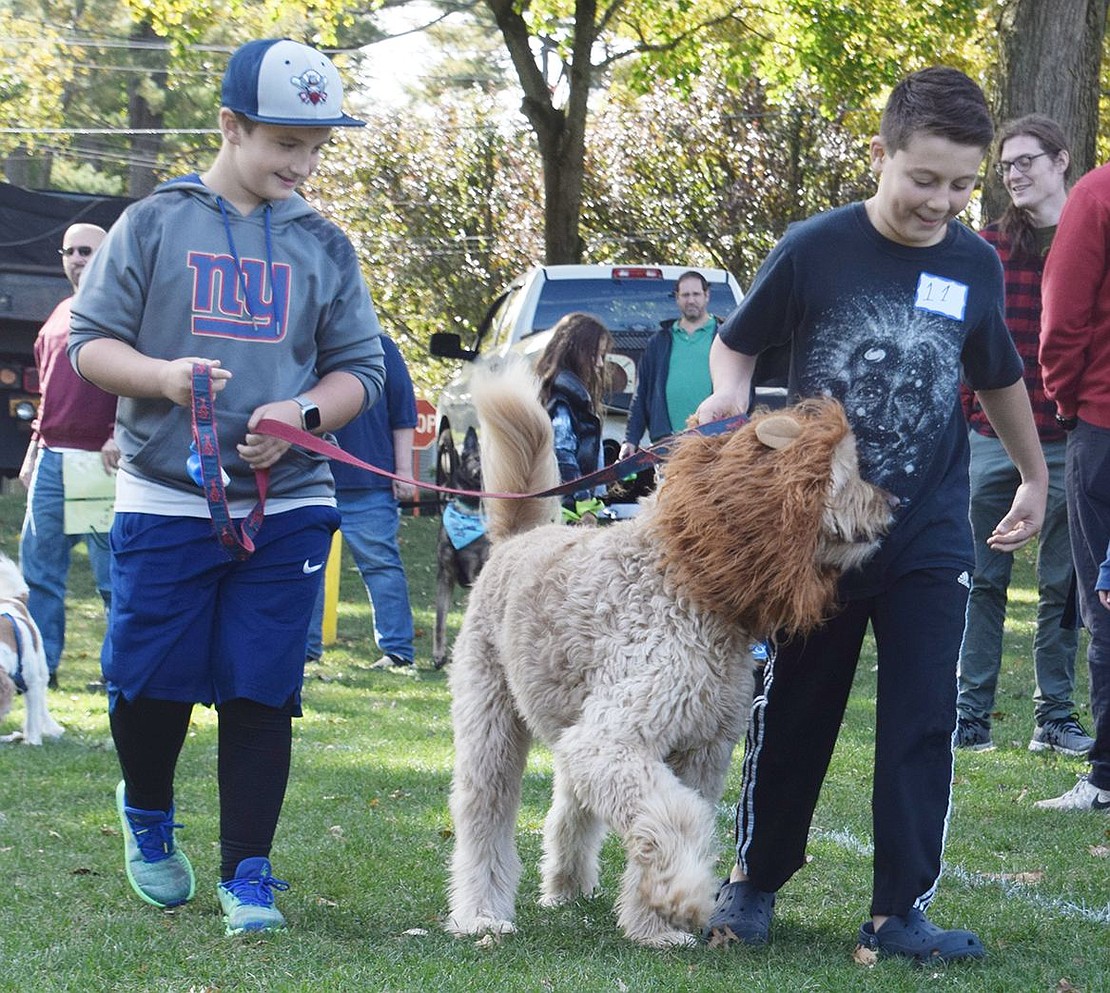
{"x":463,"y":525}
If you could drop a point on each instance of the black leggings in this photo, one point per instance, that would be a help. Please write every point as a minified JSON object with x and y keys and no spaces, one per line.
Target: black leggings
{"x":255,"y":744}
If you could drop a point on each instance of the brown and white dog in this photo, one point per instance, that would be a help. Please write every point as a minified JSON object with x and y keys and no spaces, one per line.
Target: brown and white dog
{"x":626,"y":649}
{"x":22,"y":658}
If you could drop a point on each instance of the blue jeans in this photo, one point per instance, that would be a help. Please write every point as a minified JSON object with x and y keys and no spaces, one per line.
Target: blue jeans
{"x":369,"y":527}
{"x":1088,"y":483}
{"x":44,"y":549}
{"x":993,"y":483}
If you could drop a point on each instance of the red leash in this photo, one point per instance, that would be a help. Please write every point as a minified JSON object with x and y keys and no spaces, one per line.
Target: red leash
{"x":238,"y":539}
{"x":641,"y":460}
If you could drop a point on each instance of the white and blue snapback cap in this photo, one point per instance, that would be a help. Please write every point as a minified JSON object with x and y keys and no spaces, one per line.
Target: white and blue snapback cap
{"x":279,"y":81}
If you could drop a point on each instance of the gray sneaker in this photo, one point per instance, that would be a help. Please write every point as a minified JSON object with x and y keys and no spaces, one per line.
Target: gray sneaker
{"x":973,"y":734}
{"x":1082,"y":796}
{"x":157,"y":869}
{"x":1065,"y":735}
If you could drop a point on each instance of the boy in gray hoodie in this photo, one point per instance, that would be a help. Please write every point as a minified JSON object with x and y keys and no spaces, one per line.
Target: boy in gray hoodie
{"x":221,"y":300}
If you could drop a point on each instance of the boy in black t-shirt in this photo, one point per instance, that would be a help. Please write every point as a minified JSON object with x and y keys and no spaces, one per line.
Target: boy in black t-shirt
{"x":885,"y":305}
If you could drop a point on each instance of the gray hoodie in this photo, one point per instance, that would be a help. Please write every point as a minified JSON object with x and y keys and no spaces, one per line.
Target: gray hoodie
{"x":277,"y":297}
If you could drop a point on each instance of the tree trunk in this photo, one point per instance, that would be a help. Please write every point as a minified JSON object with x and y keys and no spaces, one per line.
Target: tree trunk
{"x":144,"y":116}
{"x":560,"y":132}
{"x":1049,"y":58}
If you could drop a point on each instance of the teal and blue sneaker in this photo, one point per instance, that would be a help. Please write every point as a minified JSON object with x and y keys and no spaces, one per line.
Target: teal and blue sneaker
{"x":248,"y":900}
{"x":156,"y":868}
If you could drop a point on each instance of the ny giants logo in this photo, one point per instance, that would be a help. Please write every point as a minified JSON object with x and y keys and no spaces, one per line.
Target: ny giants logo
{"x":219,"y":307}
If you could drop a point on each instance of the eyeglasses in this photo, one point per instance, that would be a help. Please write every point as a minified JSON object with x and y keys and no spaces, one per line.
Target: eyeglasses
{"x":1023,"y":163}
{"x":83,"y":250}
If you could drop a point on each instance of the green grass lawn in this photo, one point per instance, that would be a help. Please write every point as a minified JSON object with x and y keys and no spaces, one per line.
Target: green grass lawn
{"x":365,"y":838}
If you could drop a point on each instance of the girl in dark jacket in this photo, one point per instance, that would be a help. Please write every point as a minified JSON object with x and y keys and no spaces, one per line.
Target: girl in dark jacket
{"x":572,"y":374}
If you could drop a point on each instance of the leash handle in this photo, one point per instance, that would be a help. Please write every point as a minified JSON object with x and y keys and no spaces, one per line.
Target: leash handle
{"x":237,"y":540}
{"x":641,"y":460}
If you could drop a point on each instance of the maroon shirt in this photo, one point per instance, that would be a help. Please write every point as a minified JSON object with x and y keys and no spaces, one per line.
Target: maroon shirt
{"x":72,"y":413}
{"x":1023,"y":318}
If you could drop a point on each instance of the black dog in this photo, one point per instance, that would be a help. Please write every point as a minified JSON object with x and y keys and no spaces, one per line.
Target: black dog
{"x":462,"y":547}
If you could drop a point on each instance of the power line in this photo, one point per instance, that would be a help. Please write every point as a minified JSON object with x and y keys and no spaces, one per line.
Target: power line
{"x":109,"y":131}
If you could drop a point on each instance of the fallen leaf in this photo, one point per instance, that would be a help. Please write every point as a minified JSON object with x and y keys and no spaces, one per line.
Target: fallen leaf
{"x":336,"y":831}
{"x":415,"y":932}
{"x":1099,"y":851}
{"x":488,"y":941}
{"x":1064,"y":986}
{"x":1031,"y":878}
{"x":323,"y":901}
{"x":865,"y":956}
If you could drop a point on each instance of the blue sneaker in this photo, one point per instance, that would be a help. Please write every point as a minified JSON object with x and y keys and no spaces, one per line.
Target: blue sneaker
{"x":248,"y":900}
{"x":157,"y":869}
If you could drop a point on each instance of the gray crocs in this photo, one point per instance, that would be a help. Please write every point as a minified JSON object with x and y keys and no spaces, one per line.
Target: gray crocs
{"x":916,"y":937}
{"x":742,"y":913}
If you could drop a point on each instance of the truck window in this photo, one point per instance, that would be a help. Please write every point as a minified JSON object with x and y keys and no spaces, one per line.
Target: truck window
{"x":620,"y":304}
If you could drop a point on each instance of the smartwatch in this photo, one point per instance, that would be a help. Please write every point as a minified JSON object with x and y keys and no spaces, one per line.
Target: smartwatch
{"x":310,"y":413}
{"x":1067,"y":423}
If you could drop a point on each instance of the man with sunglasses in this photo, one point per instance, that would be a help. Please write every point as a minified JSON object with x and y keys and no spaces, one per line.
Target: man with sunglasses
{"x":73,"y":415}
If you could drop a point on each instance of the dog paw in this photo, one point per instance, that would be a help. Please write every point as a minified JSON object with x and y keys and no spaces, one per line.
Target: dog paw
{"x":465,"y":927}
{"x":666,"y":939}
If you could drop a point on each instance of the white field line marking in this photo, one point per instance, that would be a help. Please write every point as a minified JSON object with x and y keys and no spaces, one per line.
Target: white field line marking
{"x":1028,"y":894}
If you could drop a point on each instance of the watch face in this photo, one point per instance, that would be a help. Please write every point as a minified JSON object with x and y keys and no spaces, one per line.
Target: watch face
{"x":311,"y":417}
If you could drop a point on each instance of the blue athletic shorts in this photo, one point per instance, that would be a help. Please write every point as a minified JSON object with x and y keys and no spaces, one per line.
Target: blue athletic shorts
{"x":189,"y":624}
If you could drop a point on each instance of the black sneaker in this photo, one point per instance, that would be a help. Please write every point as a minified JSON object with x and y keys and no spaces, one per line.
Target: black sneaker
{"x":973,"y":734}
{"x":1065,"y":735}
{"x":52,"y":682}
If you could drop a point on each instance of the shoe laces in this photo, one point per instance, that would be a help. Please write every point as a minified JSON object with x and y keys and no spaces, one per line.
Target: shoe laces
{"x":971,"y":729}
{"x":256,"y":890}
{"x":1068,"y":724}
{"x":154,"y":838}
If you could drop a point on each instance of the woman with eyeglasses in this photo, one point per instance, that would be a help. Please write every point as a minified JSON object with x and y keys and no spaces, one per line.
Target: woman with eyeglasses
{"x":1033,"y":164}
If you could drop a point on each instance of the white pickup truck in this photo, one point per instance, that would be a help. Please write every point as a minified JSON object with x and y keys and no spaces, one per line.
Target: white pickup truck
{"x":631,"y":300}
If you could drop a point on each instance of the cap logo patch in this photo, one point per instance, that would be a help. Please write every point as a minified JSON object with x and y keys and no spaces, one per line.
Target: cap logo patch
{"x":312,"y":87}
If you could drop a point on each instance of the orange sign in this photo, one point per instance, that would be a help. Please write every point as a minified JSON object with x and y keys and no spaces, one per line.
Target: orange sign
{"x":425,"y":434}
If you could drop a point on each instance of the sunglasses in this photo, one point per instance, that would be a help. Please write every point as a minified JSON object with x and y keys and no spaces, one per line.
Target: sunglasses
{"x":83,"y":250}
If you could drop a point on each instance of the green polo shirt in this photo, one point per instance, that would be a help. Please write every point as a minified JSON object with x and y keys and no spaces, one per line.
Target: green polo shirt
{"x":688,"y":381}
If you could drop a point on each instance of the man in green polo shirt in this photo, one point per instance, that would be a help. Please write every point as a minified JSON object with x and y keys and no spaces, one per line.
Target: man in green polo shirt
{"x":673,"y":374}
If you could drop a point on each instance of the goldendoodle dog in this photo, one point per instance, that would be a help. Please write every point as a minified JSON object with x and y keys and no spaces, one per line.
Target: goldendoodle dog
{"x":627,"y":650}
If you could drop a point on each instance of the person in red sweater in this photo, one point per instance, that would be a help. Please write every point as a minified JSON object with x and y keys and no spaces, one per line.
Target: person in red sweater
{"x":1033,"y":163}
{"x":73,"y":415}
{"x":1075,"y":361}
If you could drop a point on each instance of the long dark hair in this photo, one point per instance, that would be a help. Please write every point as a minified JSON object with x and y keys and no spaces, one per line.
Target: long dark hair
{"x":576,"y":341}
{"x":1015,"y":225}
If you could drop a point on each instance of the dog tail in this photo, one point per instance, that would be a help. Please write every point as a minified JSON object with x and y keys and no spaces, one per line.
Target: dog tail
{"x":518,"y":449}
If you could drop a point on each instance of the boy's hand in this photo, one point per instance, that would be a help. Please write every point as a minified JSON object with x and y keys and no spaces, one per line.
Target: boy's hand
{"x":260,"y":451}
{"x":1022,"y":522}
{"x":719,"y":405}
{"x":175,"y":379}
{"x":1104,"y":598}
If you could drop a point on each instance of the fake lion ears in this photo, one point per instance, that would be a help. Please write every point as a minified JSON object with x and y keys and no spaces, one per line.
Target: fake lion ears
{"x":778,"y":431}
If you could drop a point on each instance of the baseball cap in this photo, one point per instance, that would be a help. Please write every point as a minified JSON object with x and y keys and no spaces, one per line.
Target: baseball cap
{"x":279,"y":81}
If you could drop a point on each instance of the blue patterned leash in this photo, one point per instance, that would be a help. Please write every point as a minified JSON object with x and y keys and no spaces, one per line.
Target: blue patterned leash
{"x":237,"y":540}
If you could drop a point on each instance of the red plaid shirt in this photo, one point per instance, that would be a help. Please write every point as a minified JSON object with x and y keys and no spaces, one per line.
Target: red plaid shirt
{"x":1023,"y":318}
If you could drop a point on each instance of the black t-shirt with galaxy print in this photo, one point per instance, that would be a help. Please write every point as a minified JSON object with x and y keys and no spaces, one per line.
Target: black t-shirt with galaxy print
{"x":889,"y":330}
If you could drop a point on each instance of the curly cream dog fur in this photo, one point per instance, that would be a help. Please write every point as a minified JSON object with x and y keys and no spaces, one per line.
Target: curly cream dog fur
{"x":21,"y":652}
{"x":626,"y":649}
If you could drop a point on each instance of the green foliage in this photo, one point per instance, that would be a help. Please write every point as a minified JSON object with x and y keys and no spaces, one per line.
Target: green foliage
{"x":713,"y":178}
{"x":443,"y":211}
